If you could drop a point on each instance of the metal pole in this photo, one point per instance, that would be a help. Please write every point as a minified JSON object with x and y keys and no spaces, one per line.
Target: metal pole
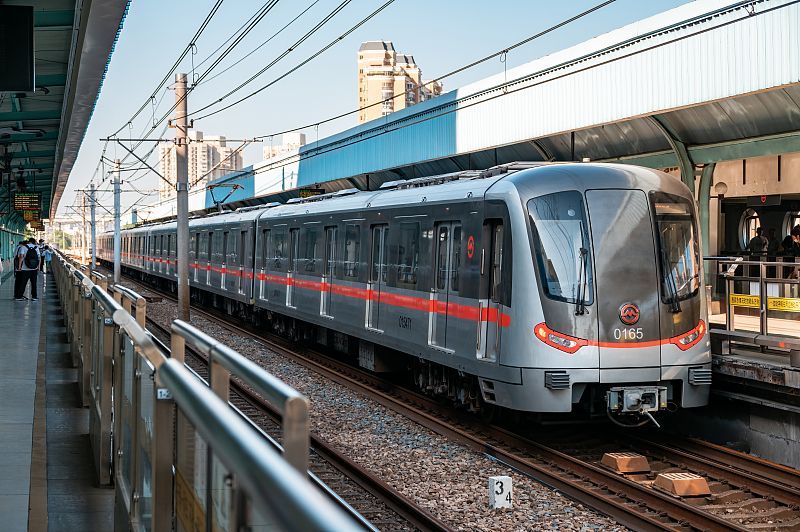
{"x":182,"y":185}
{"x":83,"y":227}
{"x":117,"y":237}
{"x":94,"y":231}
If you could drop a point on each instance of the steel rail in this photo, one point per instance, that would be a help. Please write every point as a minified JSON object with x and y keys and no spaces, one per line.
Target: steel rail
{"x":393,"y":499}
{"x":628,"y":502}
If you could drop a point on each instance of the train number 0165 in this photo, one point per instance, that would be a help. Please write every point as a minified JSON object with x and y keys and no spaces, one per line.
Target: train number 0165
{"x":628,"y":334}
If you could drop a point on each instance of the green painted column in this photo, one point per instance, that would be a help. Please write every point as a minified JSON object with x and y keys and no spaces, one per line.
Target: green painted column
{"x":704,"y":195}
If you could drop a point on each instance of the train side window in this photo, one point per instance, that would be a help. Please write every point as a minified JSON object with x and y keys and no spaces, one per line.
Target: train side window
{"x":380,"y":236}
{"x":294,"y":250}
{"x":442,"y":241}
{"x":352,"y":243}
{"x":497,"y":262}
{"x":174,"y":240}
{"x":330,"y":251}
{"x":204,"y":245}
{"x":218,"y":248}
{"x":456,"y":265}
{"x":278,"y":251}
{"x":168,"y":250}
{"x":243,"y":245}
{"x":265,"y":248}
{"x":225,"y":244}
{"x":310,"y":254}
{"x":408,"y":254}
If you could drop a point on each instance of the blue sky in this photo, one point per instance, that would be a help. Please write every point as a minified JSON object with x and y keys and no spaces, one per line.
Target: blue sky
{"x":442,"y":36}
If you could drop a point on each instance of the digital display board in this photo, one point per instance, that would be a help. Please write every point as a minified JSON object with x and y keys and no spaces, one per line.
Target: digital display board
{"x":28,"y":201}
{"x":308,"y":192}
{"x":32,"y":216}
{"x":37,"y":226}
{"x":16,"y":49}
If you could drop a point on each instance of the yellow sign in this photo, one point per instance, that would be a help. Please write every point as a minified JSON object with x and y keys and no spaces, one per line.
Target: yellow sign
{"x":784,"y":303}
{"x":189,"y":509}
{"x":773,"y":303}
{"x":742,"y":300}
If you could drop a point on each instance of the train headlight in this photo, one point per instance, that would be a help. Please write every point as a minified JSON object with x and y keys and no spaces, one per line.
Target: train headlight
{"x":558,"y":340}
{"x":563,"y":342}
{"x":685,"y":341}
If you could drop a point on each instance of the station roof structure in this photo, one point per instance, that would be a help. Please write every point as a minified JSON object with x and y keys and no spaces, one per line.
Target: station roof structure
{"x":709,"y":81}
{"x":41,"y":132}
{"x":706,"y":82}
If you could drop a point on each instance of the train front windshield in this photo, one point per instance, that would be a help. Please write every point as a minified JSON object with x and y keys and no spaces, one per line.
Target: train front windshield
{"x":561,"y":246}
{"x":679,"y":250}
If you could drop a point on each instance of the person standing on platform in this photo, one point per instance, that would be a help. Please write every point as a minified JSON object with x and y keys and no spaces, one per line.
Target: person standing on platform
{"x":758,"y":244}
{"x":41,"y":254}
{"x":29,"y":259}
{"x":17,"y":277}
{"x":774,"y":245}
{"x":48,"y":255}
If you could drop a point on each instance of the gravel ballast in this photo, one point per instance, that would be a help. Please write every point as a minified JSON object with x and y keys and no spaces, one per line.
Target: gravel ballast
{"x":447,"y":478}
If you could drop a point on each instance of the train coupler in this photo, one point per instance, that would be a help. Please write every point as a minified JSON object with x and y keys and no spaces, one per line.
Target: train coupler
{"x":636,"y":401}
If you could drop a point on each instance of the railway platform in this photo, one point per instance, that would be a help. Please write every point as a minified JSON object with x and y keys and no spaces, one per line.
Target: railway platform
{"x":47,"y":481}
{"x":79,"y":355}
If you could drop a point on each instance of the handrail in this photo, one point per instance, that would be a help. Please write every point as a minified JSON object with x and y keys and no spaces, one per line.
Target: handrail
{"x":102,"y":331}
{"x":135,"y":298}
{"x":256,"y":465}
{"x":291,"y":402}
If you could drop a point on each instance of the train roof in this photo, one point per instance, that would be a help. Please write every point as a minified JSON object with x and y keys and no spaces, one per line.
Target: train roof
{"x":443,"y":188}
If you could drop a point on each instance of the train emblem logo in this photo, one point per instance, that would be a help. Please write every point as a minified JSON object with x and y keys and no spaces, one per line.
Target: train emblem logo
{"x":470,"y":247}
{"x":628,"y":313}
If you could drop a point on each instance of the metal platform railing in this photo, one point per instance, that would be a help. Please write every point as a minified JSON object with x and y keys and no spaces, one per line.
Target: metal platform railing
{"x":765,"y":287}
{"x":179,"y":456}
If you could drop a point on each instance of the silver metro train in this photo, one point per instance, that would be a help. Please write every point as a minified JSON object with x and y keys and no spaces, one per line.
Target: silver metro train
{"x":538,"y":287}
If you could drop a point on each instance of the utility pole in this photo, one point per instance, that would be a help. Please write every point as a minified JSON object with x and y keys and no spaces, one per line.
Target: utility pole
{"x":182,"y":185}
{"x":83,"y":227}
{"x":94,"y":232}
{"x":116,"y":223}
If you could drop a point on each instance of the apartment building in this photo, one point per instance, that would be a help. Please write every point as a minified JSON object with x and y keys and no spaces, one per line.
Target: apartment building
{"x":291,"y":141}
{"x":389,"y":81}
{"x":209,"y":158}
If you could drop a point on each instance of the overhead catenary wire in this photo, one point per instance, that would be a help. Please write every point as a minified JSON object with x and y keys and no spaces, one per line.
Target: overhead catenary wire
{"x":383,"y":130}
{"x":297,"y":67}
{"x":257,"y":48}
{"x":452,"y":73}
{"x":188,"y":48}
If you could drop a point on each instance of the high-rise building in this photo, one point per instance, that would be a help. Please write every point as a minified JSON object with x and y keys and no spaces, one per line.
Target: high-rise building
{"x":384,"y":75}
{"x":291,"y":141}
{"x":209,"y":158}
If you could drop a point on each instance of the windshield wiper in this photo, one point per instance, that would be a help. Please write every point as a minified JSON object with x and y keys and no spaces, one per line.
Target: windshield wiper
{"x":669,"y":283}
{"x":580,"y":305}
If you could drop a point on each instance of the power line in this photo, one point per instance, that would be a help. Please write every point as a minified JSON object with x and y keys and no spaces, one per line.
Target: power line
{"x":263,"y":43}
{"x":303,"y":63}
{"x":458,"y":70}
{"x":177,"y":63}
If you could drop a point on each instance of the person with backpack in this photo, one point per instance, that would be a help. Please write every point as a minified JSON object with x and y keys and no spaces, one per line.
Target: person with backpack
{"x":29,"y":259}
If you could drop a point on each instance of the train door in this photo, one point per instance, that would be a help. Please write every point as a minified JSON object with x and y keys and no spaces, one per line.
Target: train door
{"x":489,"y":309}
{"x":377,"y":276}
{"x":196,"y":262}
{"x":445,"y":286}
{"x":161,"y":254}
{"x":209,"y":256}
{"x":294,"y":261}
{"x":168,"y":255}
{"x":263,"y":292}
{"x":225,"y":259}
{"x":329,"y":271}
{"x":240,"y":259}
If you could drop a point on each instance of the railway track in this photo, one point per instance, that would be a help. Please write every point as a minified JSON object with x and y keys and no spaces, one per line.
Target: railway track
{"x":378,"y":504}
{"x":746,"y":493}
